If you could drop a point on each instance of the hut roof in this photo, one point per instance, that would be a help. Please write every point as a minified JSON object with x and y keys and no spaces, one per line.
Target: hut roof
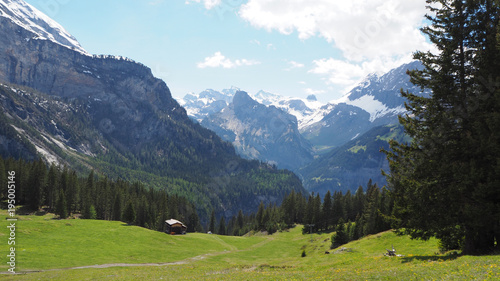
{"x":173,"y":222}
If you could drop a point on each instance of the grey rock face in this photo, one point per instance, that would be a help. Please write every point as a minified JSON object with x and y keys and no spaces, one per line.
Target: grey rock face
{"x":126,"y":101}
{"x":261,"y":132}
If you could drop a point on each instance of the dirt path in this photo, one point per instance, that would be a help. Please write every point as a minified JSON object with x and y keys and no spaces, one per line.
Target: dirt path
{"x":185,"y":261}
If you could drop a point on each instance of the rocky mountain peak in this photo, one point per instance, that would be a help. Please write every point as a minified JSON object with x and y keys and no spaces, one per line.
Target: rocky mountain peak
{"x":242,"y":99}
{"x":312,"y":98}
{"x":42,"y":26}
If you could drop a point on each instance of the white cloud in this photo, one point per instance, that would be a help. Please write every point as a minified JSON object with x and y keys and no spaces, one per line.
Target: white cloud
{"x":293,"y":65}
{"x":371,"y":35}
{"x":255,"y":41}
{"x":219,"y":60}
{"x":209,"y":4}
{"x":270,"y":47}
{"x":346,"y":74}
{"x":361,"y":29}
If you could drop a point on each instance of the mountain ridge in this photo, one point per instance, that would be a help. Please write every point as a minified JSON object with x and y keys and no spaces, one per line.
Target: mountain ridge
{"x":374,"y":102}
{"x":352,"y":164}
{"x":261,"y":132}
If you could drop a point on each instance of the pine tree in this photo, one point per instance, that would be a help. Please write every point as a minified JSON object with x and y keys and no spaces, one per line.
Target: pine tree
{"x":289,"y":206}
{"x":240,"y":220}
{"x":338,"y":210}
{"x":327,"y":210}
{"x":129,"y":215}
{"x":194,"y":222}
{"x":51,"y":187}
{"x":222,"y":226}
{"x":447,"y":177}
{"x":317,"y":214}
{"x":36,"y":183}
{"x":260,"y":216}
{"x":61,"y":205}
{"x":211,"y":225}
{"x":89,"y":212}
{"x":92,"y":213}
{"x":370,"y":212}
{"x":117,"y":207}
{"x":341,"y":236}
{"x":349,"y":207}
{"x":73,"y":192}
{"x":358,"y":201}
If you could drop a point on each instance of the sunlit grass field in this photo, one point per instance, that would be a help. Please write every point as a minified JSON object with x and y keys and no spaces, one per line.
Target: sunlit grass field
{"x":50,"y":249}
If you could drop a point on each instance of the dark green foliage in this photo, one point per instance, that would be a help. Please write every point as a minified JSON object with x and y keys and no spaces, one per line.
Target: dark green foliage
{"x":61,"y":205}
{"x":50,"y":189}
{"x":240,"y":220}
{"x":364,"y":213}
{"x":129,"y":215}
{"x":348,"y":166}
{"x":222,"y":226}
{"x":445,"y":182}
{"x":89,"y":213}
{"x":211,"y":225}
{"x":36,"y":183}
{"x":341,"y":235}
{"x":370,"y":217}
{"x":451,"y":239}
{"x":97,"y":197}
{"x":117,"y":208}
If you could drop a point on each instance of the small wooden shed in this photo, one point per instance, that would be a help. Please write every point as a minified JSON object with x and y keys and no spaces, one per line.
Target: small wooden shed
{"x":175,"y":227}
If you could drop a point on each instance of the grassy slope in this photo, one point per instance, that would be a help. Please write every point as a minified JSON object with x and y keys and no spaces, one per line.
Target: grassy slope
{"x":44,"y":243}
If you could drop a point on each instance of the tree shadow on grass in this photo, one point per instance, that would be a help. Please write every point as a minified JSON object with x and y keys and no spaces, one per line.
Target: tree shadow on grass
{"x":431,"y":258}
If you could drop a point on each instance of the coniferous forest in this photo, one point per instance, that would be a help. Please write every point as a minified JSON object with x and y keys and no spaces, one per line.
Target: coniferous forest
{"x":358,"y":214}
{"x":61,"y":191}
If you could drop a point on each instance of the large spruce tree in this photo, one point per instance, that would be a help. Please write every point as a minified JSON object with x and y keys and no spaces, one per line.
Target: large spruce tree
{"x":446,"y":182}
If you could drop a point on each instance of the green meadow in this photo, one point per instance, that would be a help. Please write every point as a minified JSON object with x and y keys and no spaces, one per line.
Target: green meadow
{"x":74,"y":249}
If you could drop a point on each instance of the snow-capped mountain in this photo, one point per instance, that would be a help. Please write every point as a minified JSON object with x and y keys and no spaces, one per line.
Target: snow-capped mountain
{"x":304,"y":109}
{"x":210,"y":101}
{"x":375,"y":101}
{"x":43,"y":27}
{"x":264,"y":126}
{"x":201,"y":105}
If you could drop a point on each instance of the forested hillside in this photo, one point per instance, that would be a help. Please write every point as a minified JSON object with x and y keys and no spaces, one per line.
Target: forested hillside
{"x":60,"y":130}
{"x":350,"y":165}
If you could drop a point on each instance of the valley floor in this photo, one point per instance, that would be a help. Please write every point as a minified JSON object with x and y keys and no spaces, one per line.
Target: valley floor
{"x":50,"y":249}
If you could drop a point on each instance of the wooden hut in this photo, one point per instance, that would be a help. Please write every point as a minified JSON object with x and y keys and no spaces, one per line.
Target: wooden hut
{"x":175,"y":227}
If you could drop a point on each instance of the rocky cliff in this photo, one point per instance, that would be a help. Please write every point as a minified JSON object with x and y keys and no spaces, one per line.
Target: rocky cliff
{"x":261,"y":132}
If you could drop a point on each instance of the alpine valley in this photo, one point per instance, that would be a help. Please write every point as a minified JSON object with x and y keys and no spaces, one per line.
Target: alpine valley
{"x":111,"y":115}
{"x":223,"y":150}
{"x":334,"y":146}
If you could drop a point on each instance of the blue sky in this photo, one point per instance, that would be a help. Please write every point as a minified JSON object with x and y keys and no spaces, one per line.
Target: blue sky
{"x":288,"y":47}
